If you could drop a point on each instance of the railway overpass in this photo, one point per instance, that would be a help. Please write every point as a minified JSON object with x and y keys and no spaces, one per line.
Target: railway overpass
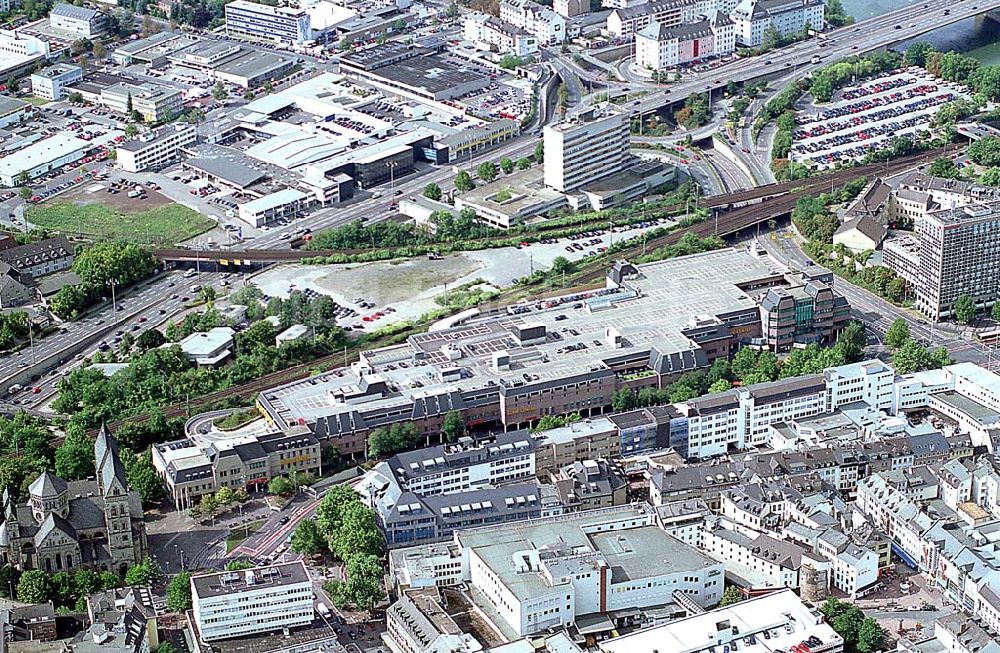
{"x":876,"y":33}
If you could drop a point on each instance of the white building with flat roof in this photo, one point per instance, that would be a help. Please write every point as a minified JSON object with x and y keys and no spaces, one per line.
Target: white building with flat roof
{"x":256,"y":21}
{"x":754,"y":18}
{"x":156,"y":148}
{"x":765,"y":624}
{"x":41,"y":157}
{"x":13,"y":111}
{"x":544,"y":573}
{"x":252,"y":601}
{"x":586,"y":147}
{"x":209,"y":347}
{"x":50,"y":83}
{"x":287,"y":203}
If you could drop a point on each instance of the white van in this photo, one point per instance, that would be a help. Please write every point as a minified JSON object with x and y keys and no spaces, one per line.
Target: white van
{"x":323,"y":610}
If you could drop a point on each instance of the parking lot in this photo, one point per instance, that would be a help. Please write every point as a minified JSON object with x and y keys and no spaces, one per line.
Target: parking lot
{"x":867,"y":116}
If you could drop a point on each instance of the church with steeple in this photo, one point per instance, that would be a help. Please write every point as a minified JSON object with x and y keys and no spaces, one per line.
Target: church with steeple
{"x":65,"y":526}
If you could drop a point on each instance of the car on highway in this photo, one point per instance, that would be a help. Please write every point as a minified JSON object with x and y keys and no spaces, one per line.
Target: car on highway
{"x":284,"y":520}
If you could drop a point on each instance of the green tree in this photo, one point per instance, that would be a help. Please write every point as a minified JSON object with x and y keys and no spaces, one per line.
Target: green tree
{"x":150,"y":339}
{"x":539,"y":153}
{"x":179,"y":592}
{"x":507,"y":165}
{"x":358,"y":533}
{"x":165,"y":647}
{"x":75,"y":457}
{"x":143,"y":478}
{"x":916,"y":54}
{"x":964,"y":309}
{"x":943,"y":167}
{"x":524,"y":163}
{"x":432,"y":191}
{"x":562,"y":265}
{"x":995,"y":311}
{"x":219,"y":92}
{"x":34,"y":586}
{"x":225,"y":496}
{"x":487,"y":171}
{"x":871,"y":637}
{"x":852,"y":341}
{"x":329,"y":512}
{"x":719,"y":386}
{"x":86,"y":582}
{"x":131,"y":130}
{"x":281,"y":486}
{"x":364,"y":580}
{"x":991,"y":177}
{"x":307,"y":538}
{"x":897,"y":334}
{"x":731,"y":595}
{"x":986,"y":151}
{"x":146,"y":572}
{"x":623,"y":400}
{"x":453,"y":427}
{"x":463,"y":181}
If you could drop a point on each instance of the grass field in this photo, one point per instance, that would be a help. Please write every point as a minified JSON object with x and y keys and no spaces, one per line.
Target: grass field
{"x":36,"y":101}
{"x":164,"y":225}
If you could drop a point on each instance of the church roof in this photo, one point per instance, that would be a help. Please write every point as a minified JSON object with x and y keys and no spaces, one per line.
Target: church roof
{"x":47,"y":486}
{"x":51,"y":524}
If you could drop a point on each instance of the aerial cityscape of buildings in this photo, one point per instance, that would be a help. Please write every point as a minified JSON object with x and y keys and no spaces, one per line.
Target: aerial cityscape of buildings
{"x":415,"y":326}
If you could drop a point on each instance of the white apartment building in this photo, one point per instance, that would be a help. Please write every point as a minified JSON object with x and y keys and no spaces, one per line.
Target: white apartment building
{"x":546,"y":25}
{"x":252,"y":601}
{"x":157,"y":148}
{"x":753,"y":18}
{"x":154,"y":103}
{"x":626,"y":21}
{"x":584,"y":148}
{"x":50,"y":83}
{"x":869,"y":381}
{"x":658,"y":47}
{"x":491,"y":33}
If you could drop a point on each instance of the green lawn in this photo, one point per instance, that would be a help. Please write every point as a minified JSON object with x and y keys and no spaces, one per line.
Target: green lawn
{"x":36,"y":101}
{"x":169,"y":224}
{"x":238,"y":535}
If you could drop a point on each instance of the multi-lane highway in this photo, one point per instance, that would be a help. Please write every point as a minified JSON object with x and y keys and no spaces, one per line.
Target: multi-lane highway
{"x":875,"y":33}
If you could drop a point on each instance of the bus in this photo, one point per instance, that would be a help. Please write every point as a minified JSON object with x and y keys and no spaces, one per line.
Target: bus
{"x":990,"y":337}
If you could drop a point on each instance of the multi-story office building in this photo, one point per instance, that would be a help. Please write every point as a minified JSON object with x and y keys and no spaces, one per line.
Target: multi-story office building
{"x":658,"y":47}
{"x":805,"y":312}
{"x":959,"y":249}
{"x":77,"y":22}
{"x":193,"y":469}
{"x":50,"y":83}
{"x":234,"y":604}
{"x":544,"y":24}
{"x":153,"y":102}
{"x":21,"y":53}
{"x":425,"y":495}
{"x":288,"y":203}
{"x":670,"y":317}
{"x":755,"y":18}
{"x":155,"y":149}
{"x":588,"y":484}
{"x":588,"y":146}
{"x":625,"y":21}
{"x":261,"y":22}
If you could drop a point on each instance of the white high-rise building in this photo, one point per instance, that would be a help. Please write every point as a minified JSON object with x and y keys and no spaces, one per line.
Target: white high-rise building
{"x":235,"y":604}
{"x":586,"y":147}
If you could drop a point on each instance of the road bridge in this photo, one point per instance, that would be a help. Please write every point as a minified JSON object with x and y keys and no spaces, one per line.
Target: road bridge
{"x":876,"y":33}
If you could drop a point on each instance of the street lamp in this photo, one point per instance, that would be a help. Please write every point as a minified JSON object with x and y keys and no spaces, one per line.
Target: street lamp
{"x":391,"y":165}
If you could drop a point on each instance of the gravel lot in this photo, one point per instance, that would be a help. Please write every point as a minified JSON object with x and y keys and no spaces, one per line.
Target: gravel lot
{"x":410,"y":286}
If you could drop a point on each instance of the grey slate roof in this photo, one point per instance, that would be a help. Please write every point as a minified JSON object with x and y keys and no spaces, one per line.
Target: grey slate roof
{"x":72,"y":11}
{"x":47,"y":486}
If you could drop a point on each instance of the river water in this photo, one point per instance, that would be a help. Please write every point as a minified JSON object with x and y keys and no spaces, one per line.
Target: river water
{"x":978,"y":38}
